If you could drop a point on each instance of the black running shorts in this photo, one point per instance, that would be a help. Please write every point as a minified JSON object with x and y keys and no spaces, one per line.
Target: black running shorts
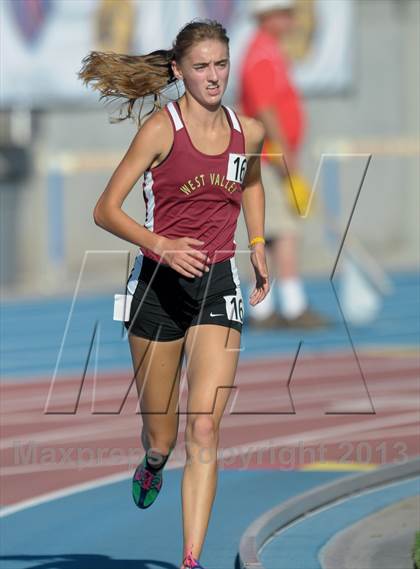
{"x":165,"y":304}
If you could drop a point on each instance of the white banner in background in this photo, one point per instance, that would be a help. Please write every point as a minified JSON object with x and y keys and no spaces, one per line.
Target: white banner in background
{"x":44,"y":42}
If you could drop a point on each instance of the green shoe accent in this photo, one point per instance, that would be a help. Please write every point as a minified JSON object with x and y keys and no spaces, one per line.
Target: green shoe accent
{"x":145,"y":486}
{"x":136,"y":492}
{"x":150,"y":497}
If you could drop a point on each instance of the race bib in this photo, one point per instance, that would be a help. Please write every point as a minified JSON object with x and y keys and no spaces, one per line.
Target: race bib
{"x":235,"y":306}
{"x":236,"y":168}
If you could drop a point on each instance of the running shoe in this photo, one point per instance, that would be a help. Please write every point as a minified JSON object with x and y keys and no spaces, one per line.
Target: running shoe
{"x":146,"y":485}
{"x":191,"y":563}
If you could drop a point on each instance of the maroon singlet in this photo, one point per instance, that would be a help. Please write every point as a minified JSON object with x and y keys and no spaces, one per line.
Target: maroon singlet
{"x":192,"y":194}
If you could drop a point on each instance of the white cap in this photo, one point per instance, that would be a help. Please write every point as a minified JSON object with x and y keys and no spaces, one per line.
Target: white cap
{"x":262,"y":6}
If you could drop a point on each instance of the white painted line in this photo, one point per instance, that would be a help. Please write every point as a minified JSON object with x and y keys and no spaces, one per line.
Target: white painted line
{"x":303,"y":372}
{"x":324,"y":434}
{"x":83,"y":487}
{"x":297,"y":387}
{"x":302,"y":438}
{"x":307,"y":408}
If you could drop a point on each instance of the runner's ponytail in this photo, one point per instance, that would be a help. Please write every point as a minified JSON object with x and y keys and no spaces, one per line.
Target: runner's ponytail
{"x":128,"y":77}
{"x":132,"y":77}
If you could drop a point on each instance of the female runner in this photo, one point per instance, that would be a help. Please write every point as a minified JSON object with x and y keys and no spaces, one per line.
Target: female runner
{"x":184,"y":287}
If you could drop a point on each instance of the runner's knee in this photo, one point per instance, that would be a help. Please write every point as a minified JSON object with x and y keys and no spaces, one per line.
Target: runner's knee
{"x":203,"y":430}
{"x":158,"y":440}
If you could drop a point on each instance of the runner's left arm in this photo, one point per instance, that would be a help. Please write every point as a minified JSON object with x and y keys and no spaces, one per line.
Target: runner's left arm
{"x":253,"y":205}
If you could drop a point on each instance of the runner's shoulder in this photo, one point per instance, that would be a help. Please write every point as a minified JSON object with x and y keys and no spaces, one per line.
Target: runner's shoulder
{"x":158,"y":128}
{"x":254,"y":130}
{"x":158,"y":122}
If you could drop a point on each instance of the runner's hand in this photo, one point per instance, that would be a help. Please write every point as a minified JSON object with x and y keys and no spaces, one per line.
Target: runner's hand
{"x":181,"y":256}
{"x":259,"y":263}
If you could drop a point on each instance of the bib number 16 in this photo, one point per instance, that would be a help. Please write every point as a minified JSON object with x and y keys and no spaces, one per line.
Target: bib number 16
{"x":235,"y":307}
{"x":236,"y":168}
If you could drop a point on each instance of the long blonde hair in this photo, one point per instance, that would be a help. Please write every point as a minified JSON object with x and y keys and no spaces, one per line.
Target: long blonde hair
{"x":132,"y":77}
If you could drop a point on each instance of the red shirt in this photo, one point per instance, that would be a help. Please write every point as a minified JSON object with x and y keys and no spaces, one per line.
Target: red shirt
{"x":192,"y":194}
{"x":265,"y":82}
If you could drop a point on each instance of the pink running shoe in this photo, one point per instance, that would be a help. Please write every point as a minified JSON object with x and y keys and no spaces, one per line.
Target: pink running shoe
{"x":191,"y":563}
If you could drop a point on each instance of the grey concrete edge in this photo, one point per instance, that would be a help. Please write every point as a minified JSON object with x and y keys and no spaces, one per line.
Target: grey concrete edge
{"x":282,"y":515}
{"x":353,"y":545}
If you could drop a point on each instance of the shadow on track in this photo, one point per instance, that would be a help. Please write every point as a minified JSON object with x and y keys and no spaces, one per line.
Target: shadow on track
{"x":84,"y":561}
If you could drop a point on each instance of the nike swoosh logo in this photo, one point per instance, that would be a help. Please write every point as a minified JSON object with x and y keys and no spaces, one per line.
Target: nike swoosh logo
{"x":211,"y":314}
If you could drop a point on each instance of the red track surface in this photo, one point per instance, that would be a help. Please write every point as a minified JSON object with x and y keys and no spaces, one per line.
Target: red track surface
{"x":266,"y":424}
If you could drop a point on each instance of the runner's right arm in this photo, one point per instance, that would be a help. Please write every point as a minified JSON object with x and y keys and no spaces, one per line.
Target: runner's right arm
{"x":151,"y":143}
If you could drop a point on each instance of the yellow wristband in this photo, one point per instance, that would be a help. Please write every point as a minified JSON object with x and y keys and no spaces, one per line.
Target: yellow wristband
{"x":256,"y":240}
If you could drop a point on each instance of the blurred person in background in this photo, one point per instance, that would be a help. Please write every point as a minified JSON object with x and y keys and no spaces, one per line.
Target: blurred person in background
{"x":184,"y":287}
{"x":266,"y":91}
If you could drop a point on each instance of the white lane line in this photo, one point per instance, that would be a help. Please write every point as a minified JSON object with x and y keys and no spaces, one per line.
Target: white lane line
{"x":128,"y":426}
{"x":68,"y":394}
{"x":330,"y":433}
{"x":302,"y":437}
{"x":37,"y":402}
{"x":301,"y":391}
{"x":134,"y":458}
{"x":69,"y":490}
{"x":239,"y":450}
{"x":75,"y":434}
{"x":385,"y":433}
{"x":100,"y":428}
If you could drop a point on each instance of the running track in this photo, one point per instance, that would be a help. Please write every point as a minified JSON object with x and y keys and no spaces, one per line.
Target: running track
{"x":336,"y":409}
